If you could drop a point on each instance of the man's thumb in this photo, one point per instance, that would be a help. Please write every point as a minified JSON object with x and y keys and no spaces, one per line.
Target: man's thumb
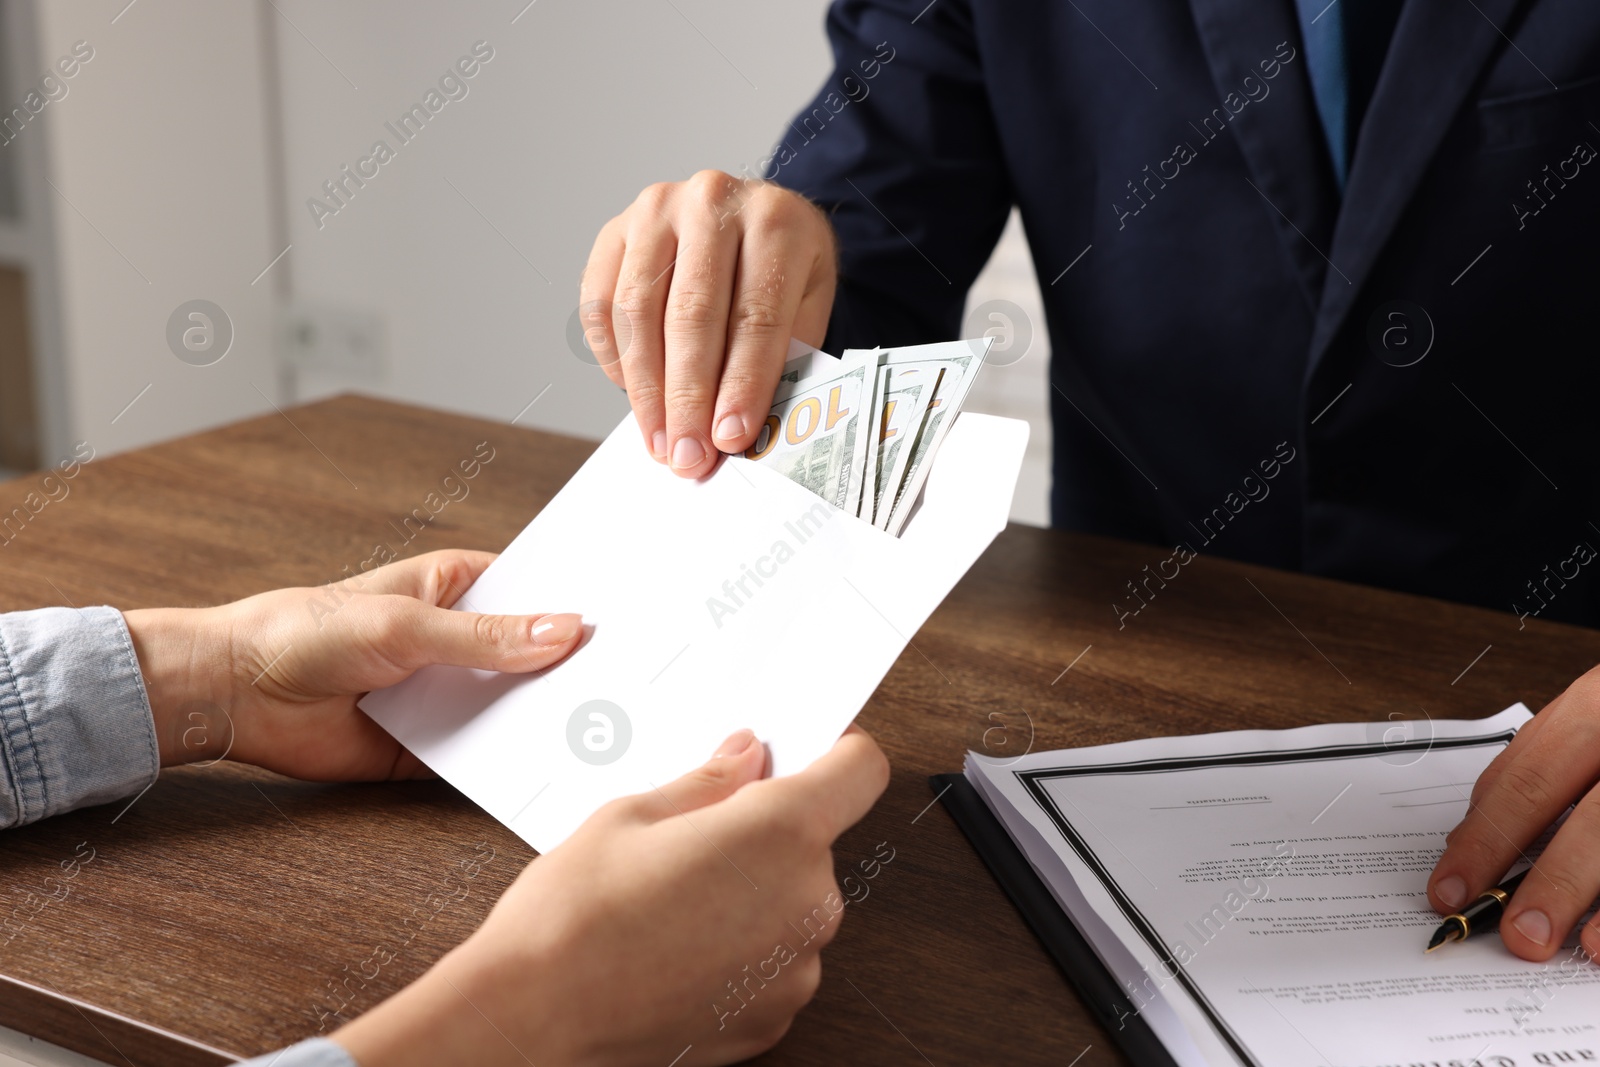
{"x":738,"y":760}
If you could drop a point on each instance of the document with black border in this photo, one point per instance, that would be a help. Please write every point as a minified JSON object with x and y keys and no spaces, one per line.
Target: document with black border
{"x":1259,"y":896}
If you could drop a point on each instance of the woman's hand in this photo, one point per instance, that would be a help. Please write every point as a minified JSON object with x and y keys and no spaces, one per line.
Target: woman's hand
{"x":1552,"y":764}
{"x":678,"y":926}
{"x":273,"y":680}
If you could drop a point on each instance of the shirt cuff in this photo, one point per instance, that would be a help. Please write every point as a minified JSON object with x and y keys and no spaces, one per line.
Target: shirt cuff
{"x":75,"y":722}
{"x":315,"y":1052}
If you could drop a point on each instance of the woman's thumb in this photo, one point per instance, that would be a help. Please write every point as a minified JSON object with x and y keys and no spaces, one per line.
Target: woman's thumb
{"x":425,"y":635}
{"x":739,"y":760}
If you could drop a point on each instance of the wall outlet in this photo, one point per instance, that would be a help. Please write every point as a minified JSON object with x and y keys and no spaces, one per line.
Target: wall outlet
{"x":332,"y":339}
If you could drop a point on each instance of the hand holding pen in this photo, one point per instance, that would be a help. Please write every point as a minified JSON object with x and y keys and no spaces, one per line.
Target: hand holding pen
{"x":1480,"y":916}
{"x":1553,"y":764}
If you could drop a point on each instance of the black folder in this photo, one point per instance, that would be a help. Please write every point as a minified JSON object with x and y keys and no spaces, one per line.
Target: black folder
{"x":1096,"y":987}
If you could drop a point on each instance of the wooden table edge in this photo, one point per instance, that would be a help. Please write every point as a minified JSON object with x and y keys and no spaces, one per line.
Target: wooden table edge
{"x":23,"y":1005}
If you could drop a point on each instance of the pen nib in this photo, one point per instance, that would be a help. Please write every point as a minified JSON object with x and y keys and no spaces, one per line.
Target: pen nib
{"x":1450,"y":931}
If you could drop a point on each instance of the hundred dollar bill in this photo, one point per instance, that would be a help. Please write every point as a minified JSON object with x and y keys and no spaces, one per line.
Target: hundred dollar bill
{"x":862,"y":489}
{"x":816,"y":433}
{"x":897,"y":415}
{"x":958,"y":363}
{"x":862,"y":432}
{"x":915,"y":445}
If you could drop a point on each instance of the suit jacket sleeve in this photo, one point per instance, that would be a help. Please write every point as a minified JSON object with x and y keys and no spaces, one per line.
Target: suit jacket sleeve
{"x":899,"y":148}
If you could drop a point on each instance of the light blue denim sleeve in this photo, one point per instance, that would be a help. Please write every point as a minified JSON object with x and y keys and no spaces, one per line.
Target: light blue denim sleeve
{"x":75,"y":723}
{"x":315,"y":1052}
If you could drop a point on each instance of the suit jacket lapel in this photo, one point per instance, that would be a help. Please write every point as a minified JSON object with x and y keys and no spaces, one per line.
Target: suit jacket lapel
{"x":1436,"y":55}
{"x":1280,"y":134}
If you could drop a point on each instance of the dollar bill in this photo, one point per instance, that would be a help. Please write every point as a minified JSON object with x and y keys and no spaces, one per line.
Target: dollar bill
{"x":958,"y":364}
{"x":897,"y":418}
{"x":862,"y":432}
{"x":867,"y":476}
{"x":915,"y":447}
{"x":816,"y":433}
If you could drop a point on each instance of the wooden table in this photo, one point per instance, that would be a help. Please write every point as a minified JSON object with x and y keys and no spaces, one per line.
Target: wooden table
{"x":225,"y":904}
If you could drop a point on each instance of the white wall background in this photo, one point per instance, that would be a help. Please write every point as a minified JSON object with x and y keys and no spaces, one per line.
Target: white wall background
{"x":157,"y":159}
{"x":470,"y":242}
{"x":466,"y":248}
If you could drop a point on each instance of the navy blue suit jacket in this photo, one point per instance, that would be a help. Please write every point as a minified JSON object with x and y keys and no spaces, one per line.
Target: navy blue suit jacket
{"x":1233,"y":314}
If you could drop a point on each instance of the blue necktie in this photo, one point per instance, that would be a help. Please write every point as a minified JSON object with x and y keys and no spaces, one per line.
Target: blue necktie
{"x":1345,"y":42}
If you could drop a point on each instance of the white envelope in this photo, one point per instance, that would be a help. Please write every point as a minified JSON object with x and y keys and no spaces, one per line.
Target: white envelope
{"x":740,"y":600}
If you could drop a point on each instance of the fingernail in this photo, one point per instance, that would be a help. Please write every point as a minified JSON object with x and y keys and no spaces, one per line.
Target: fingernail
{"x":658,"y":444}
{"x":735,"y":744}
{"x":554,"y":630}
{"x":687,"y":453}
{"x":731,"y":428}
{"x":1534,"y":925}
{"x":1453,"y":891}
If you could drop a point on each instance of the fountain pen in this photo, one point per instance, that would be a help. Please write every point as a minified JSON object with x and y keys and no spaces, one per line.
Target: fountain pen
{"x":1482,"y":914}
